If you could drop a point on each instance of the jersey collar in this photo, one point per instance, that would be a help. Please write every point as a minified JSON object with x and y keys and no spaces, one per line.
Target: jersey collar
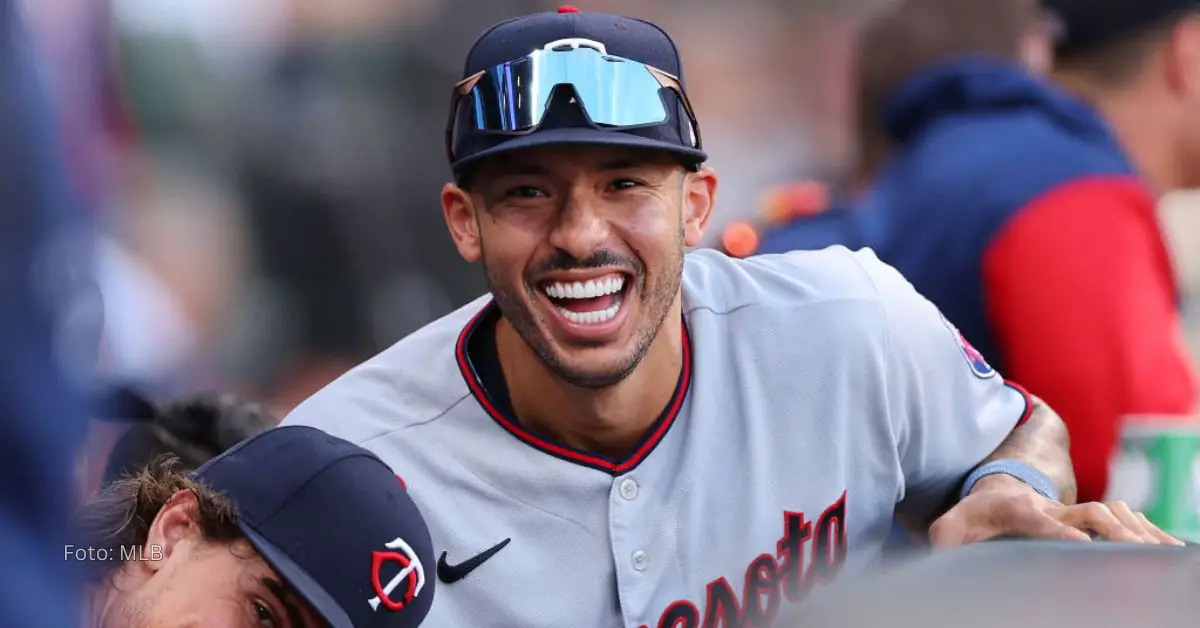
{"x":488,"y":316}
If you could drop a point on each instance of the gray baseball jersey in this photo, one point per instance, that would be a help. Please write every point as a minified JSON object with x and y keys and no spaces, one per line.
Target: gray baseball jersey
{"x":819,"y":395}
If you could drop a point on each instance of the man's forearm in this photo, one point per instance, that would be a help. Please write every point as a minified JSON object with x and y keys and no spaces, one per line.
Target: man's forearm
{"x":1044,"y":443}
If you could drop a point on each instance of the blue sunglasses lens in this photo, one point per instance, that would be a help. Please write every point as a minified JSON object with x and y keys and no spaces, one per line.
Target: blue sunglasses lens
{"x":614,"y":92}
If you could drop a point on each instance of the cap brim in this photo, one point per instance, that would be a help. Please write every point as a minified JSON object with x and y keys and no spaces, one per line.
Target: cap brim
{"x":582,"y":137}
{"x":298,"y":579}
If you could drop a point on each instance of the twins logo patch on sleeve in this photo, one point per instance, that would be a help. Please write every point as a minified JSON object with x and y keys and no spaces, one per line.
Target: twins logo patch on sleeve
{"x":979,"y":366}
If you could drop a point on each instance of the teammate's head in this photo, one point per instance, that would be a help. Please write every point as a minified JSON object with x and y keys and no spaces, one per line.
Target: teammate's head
{"x":291,"y":528}
{"x":579,"y":184}
{"x":900,"y":41}
{"x":208,"y":573}
{"x":1140,"y":63}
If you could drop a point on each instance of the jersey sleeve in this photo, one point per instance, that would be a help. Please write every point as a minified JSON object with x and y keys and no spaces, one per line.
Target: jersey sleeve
{"x":1081,"y":294}
{"x":948,"y":408}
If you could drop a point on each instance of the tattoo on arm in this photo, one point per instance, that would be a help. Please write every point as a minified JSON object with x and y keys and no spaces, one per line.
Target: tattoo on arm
{"x":1044,"y":443}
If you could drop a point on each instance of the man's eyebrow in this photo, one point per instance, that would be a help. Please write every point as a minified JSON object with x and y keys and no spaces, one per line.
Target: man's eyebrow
{"x":295,"y":618}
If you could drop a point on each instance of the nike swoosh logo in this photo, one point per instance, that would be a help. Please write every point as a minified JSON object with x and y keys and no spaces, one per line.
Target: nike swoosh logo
{"x":453,"y":573}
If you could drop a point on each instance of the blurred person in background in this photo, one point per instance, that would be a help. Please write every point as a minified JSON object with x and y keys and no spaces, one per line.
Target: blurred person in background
{"x":293,"y":528}
{"x":1138,"y":66}
{"x":1027,"y":214}
{"x":892,"y":46}
{"x":42,"y":273}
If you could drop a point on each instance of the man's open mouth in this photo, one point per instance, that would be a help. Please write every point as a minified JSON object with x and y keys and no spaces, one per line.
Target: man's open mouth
{"x":592,"y":302}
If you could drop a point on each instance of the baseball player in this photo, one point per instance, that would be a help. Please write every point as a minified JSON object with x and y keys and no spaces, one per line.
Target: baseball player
{"x":291,"y":528}
{"x":622,"y":434}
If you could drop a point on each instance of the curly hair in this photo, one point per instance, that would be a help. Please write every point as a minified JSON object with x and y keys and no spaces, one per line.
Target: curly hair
{"x":118,"y":519}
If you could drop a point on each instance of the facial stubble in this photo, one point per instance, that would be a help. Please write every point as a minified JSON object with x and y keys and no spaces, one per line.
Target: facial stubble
{"x":515,"y":305}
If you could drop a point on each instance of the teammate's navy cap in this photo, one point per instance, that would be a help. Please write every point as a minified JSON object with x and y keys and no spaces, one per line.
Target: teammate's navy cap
{"x":1086,"y":24}
{"x":333,"y":521}
{"x":571,"y":77}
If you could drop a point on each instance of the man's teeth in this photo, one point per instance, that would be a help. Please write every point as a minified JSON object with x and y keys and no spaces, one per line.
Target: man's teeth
{"x":587,"y":289}
{"x":591,"y":318}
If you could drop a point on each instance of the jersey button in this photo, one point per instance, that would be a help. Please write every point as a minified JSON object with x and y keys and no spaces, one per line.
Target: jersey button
{"x":629,"y":489}
{"x":640,"y":560}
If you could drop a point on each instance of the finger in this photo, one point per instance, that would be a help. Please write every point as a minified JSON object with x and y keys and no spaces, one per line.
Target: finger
{"x":1040,"y":525}
{"x":1130,"y":520}
{"x":950,"y":530}
{"x":1156,"y":532}
{"x":954,"y":529}
{"x":1097,"y":518}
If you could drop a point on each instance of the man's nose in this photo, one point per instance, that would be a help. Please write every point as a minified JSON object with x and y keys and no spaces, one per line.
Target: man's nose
{"x":581,"y":228}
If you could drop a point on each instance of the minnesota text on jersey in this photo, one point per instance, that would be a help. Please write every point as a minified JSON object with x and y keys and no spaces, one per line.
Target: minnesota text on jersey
{"x":772,"y":576}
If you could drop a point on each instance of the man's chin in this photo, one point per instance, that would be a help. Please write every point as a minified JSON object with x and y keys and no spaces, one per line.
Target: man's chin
{"x":593,"y":380}
{"x":592,"y":367}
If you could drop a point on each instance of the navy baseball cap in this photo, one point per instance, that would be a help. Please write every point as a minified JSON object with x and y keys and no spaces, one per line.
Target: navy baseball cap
{"x":574,"y":78}
{"x":1086,"y":24}
{"x":333,"y":521}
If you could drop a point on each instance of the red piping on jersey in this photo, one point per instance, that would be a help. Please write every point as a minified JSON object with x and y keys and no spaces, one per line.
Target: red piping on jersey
{"x":1028,"y":401}
{"x":602,"y":463}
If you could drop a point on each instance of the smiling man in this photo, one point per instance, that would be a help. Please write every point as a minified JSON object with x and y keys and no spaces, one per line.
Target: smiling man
{"x":625,"y":434}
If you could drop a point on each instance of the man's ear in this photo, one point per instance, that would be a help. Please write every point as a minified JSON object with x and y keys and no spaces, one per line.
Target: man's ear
{"x":459,"y":209}
{"x":174,"y":525}
{"x":699,"y":192}
{"x":1037,"y":50}
{"x":1182,"y":53}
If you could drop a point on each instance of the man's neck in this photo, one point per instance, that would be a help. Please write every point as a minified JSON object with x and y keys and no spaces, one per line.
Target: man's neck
{"x":1150,"y":148}
{"x":607,"y":421}
{"x":95,"y":605}
{"x":1143,"y":129}
{"x":102,"y":601}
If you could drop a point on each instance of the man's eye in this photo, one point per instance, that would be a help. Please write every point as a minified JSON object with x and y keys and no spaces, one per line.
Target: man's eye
{"x":525,"y":191}
{"x":264,"y":615}
{"x":625,"y":184}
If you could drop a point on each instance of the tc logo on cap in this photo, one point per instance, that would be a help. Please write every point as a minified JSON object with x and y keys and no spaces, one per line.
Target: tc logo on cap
{"x":409,"y":580}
